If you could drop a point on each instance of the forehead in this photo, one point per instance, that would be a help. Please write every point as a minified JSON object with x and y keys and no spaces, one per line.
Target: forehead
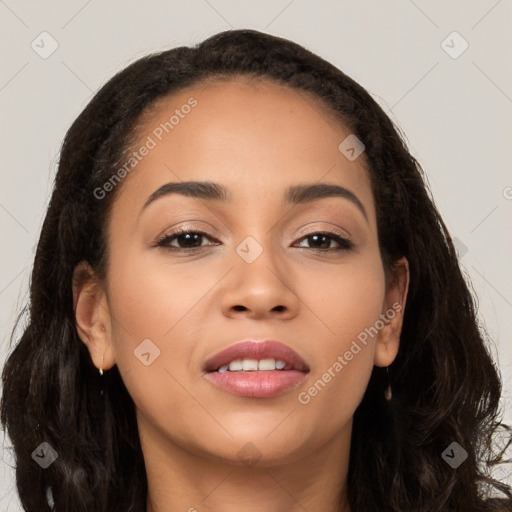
{"x":227,"y":103}
{"x":256,"y":137}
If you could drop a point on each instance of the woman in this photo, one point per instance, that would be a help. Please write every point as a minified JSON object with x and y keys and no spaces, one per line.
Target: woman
{"x":243,"y":296}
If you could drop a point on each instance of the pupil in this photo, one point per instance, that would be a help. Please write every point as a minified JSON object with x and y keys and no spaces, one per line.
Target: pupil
{"x":324,"y":237}
{"x":194,"y":237}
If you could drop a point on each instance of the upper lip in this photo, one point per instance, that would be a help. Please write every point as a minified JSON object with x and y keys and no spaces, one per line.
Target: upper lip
{"x":252,"y":349}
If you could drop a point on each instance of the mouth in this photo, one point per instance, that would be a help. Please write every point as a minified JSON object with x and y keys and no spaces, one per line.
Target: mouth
{"x":256,"y":369}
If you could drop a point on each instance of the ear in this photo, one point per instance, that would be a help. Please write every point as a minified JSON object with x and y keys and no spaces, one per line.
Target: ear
{"x":92,"y":315}
{"x":388,"y":338}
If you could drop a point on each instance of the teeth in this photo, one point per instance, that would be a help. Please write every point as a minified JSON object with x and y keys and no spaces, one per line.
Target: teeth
{"x":267,"y":364}
{"x":250,"y":364}
{"x":235,"y":366}
{"x":253,"y":365}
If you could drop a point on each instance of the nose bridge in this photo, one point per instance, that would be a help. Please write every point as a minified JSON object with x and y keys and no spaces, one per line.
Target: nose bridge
{"x":260,"y":261}
{"x":260,"y":280}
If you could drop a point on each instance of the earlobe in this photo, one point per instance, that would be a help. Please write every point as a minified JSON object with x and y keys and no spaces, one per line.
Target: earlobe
{"x":92,"y":316}
{"x":388,"y":339}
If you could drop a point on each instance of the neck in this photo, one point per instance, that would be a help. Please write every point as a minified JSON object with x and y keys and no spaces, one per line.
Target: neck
{"x":189,"y":481}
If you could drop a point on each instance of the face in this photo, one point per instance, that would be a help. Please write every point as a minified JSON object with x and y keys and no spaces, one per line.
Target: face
{"x":254,"y":265}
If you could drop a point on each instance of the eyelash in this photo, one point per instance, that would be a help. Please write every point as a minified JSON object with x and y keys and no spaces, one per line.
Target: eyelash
{"x":163,"y":242}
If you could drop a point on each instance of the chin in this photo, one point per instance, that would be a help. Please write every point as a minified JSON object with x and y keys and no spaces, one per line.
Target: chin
{"x":259,"y":450}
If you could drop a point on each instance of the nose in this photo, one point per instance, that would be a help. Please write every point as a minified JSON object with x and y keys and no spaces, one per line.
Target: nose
{"x":260,"y":288}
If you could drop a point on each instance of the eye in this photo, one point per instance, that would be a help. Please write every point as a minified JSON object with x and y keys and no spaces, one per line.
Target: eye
{"x":322,"y":240}
{"x":187,"y":240}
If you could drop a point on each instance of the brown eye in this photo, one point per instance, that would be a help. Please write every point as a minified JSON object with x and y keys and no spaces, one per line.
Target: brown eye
{"x":187,"y":240}
{"x":322,"y":241}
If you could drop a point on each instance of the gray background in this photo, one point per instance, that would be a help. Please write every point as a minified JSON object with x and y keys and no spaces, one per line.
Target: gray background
{"x":454,"y":109}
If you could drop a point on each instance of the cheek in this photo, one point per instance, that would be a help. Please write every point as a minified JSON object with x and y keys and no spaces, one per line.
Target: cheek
{"x":152,"y":298}
{"x":345,"y":299}
{"x":347,"y":306}
{"x":158,"y":312}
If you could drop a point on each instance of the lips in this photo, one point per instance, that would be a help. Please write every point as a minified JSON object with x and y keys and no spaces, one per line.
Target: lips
{"x":248,"y":349}
{"x":257,"y":383}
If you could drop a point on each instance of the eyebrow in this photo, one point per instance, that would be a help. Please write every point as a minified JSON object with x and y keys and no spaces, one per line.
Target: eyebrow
{"x":296,"y":194}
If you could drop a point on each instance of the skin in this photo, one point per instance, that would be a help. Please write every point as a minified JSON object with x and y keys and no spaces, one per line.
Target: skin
{"x":257,"y":139}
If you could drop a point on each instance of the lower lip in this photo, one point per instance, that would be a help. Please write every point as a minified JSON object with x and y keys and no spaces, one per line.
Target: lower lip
{"x":257,"y":384}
